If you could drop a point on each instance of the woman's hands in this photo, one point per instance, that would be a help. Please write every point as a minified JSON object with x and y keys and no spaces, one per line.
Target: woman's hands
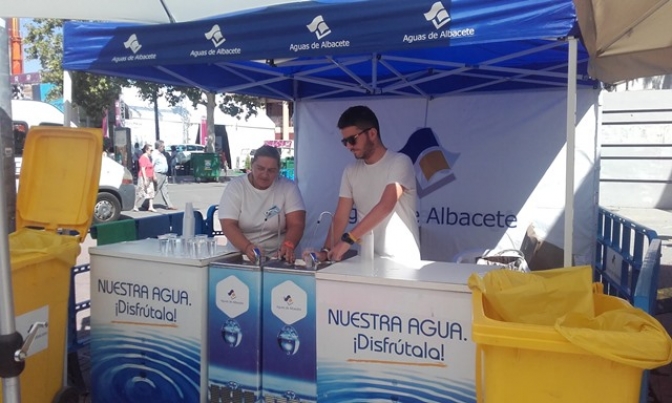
{"x":287,"y":252}
{"x":249,"y":252}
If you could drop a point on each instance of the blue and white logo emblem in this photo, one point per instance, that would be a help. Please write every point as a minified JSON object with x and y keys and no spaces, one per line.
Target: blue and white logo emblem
{"x":215,"y":35}
{"x":319,"y":27}
{"x":438,"y":15}
{"x":433,"y":163}
{"x":133,"y":44}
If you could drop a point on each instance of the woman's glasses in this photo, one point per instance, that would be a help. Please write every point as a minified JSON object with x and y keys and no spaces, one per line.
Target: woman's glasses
{"x":353,"y":139}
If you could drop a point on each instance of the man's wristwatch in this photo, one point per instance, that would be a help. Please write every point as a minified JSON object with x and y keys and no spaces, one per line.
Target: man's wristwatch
{"x":347,"y":238}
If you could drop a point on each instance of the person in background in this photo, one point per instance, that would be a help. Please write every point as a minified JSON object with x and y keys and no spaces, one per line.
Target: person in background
{"x":223,"y":162}
{"x":145,"y":188}
{"x":137,"y":152}
{"x":381,"y":184}
{"x":251,"y":204}
{"x":160,"y":164}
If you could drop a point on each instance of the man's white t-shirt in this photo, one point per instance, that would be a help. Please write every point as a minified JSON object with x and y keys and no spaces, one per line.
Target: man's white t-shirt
{"x":159,"y":161}
{"x":249,"y":206}
{"x":398,"y":235}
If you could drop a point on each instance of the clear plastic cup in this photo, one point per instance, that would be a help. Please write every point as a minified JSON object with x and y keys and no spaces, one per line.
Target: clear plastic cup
{"x":191,"y":248}
{"x":212,"y":246}
{"x":163,"y":244}
{"x":172,"y":243}
{"x":201,"y":247}
{"x":180,"y":246}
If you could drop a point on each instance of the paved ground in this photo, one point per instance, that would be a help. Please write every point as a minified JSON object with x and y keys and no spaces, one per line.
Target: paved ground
{"x":204,"y":195}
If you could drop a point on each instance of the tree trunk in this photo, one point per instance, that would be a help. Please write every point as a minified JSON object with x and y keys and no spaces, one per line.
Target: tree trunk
{"x":156,"y":116}
{"x":210,"y":120}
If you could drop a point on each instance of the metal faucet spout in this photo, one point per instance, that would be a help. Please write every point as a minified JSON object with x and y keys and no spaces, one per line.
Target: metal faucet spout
{"x":331,"y":226}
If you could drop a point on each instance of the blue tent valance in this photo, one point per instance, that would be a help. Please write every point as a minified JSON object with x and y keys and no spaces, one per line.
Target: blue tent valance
{"x":341,"y":48}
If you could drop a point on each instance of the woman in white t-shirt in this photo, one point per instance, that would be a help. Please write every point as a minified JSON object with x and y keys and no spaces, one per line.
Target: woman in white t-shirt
{"x":263,"y":210}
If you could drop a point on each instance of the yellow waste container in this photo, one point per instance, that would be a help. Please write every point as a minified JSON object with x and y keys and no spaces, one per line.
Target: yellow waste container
{"x":58,"y":186}
{"x":583,"y":356}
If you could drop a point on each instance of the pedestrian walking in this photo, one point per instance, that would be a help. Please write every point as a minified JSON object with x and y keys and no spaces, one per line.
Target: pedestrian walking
{"x":161,"y":173}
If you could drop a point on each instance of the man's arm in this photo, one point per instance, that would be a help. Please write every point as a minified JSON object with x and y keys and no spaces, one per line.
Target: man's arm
{"x":378,"y":213}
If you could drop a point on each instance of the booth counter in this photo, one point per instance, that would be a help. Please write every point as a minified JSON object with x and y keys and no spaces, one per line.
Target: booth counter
{"x":170,"y":328}
{"x":148,"y":324}
{"x":395,"y":331}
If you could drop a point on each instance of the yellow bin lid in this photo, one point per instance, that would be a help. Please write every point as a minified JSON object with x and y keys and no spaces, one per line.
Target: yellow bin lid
{"x":58,"y":184}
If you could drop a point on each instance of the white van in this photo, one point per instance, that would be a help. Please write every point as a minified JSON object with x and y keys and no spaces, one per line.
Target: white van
{"x":116,"y":192}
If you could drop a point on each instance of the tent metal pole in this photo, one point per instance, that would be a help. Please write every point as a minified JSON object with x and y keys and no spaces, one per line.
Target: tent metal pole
{"x":67,"y":98}
{"x":11,"y":386}
{"x":571,"y":145}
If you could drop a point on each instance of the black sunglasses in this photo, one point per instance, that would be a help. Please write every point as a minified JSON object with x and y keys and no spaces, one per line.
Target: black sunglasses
{"x":353,"y":139}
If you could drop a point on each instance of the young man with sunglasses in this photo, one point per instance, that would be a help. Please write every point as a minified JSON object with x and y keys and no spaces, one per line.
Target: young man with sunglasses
{"x":381,"y":184}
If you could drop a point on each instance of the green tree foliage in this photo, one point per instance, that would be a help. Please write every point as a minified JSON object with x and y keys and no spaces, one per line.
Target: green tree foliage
{"x":235,"y":105}
{"x":92,"y":93}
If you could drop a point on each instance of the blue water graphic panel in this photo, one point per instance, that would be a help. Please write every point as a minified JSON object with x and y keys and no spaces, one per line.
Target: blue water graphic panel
{"x":137,"y":366}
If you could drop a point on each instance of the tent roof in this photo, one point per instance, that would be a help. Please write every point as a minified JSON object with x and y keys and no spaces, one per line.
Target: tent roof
{"x":143,"y":11}
{"x":318,"y":49}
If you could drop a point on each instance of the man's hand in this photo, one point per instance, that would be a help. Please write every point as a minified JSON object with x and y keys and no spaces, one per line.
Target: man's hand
{"x":339,"y":250}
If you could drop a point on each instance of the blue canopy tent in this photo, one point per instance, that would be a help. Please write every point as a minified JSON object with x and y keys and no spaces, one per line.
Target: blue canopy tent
{"x":342,"y":48}
{"x":363,"y":48}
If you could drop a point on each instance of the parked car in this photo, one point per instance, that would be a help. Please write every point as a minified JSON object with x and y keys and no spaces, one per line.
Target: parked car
{"x":116,"y":192}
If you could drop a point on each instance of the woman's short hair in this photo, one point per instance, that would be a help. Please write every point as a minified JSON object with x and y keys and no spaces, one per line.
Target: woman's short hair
{"x":267,"y":151}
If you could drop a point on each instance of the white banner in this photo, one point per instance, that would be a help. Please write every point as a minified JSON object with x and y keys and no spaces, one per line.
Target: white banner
{"x":407,"y":344}
{"x":501,"y":166}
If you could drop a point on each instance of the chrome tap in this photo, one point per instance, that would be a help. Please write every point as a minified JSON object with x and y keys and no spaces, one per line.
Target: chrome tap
{"x":331,"y":227}
{"x":311,"y":259}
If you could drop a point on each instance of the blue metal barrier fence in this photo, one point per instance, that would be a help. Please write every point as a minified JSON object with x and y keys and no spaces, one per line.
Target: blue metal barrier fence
{"x":620,"y":248}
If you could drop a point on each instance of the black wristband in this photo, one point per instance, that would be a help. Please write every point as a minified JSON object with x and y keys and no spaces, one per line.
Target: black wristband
{"x":347,"y":238}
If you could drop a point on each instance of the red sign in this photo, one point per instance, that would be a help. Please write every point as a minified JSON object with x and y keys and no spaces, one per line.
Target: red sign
{"x":280,"y":143}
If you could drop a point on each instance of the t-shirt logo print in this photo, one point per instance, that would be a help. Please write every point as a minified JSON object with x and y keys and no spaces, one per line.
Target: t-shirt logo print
{"x":319,"y":27}
{"x":215,"y":35}
{"x":438,"y":15}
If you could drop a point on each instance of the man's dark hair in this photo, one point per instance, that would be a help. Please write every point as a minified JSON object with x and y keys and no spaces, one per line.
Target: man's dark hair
{"x":267,"y":151}
{"x":359,"y":116}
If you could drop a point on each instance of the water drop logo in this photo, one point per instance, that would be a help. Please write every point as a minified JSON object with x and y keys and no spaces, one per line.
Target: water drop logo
{"x":438,"y":15}
{"x":319,"y":27}
{"x":288,"y":340}
{"x":215,"y":35}
{"x":231,"y":333}
{"x":133,"y":44}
